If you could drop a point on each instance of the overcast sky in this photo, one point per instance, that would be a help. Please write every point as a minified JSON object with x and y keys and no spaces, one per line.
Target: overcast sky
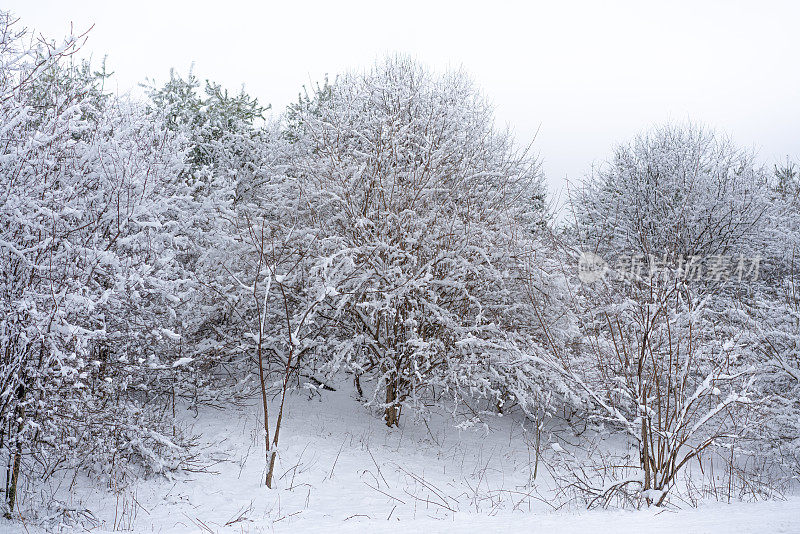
{"x":585,"y":75}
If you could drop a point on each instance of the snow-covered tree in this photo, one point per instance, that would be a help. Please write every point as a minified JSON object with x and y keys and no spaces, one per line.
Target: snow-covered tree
{"x":679,"y":190}
{"x":425,"y":213}
{"x":206,"y":118}
{"x":90,"y":237}
{"x":670,"y":331}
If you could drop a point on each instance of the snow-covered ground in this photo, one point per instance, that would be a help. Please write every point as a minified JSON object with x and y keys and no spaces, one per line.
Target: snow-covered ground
{"x":342,"y":470}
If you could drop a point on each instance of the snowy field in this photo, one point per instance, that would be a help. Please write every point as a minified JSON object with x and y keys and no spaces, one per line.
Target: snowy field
{"x":342,"y":470}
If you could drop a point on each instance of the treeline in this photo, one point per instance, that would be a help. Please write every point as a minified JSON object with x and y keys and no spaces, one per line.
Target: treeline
{"x":185,"y":249}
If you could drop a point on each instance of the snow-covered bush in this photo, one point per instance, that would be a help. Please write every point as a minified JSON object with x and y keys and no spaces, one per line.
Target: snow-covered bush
{"x":90,"y":238}
{"x":678,"y":190}
{"x":670,"y":334}
{"x":426,"y":215}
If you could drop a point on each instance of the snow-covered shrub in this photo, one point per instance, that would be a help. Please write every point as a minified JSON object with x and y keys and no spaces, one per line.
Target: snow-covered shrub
{"x":772,"y":330}
{"x":210,"y":119}
{"x":251,"y":314}
{"x":427,"y":216}
{"x":90,"y":238}
{"x":228,"y":154}
{"x":670,"y":355}
{"x":678,"y":190}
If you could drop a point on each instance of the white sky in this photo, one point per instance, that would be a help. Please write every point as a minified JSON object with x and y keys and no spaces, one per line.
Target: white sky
{"x":584,"y":74}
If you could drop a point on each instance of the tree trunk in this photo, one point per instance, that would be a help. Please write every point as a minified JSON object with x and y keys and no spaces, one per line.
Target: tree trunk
{"x":271,"y":468}
{"x":11,"y":496}
{"x":264,"y":405}
{"x":392,"y":411}
{"x":645,"y":452}
{"x":12,"y":489}
{"x":357,"y":381}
